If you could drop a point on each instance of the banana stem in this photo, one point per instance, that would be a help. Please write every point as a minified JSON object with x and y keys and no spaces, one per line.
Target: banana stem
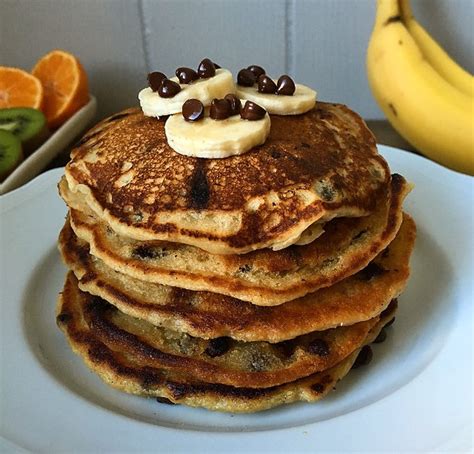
{"x":405,"y":9}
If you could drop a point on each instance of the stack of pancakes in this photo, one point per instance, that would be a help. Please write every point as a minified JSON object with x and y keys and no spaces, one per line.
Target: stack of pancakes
{"x":233,"y":284}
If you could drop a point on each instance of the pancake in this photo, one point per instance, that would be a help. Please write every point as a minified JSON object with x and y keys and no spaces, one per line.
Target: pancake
{"x":221,"y":360}
{"x":312,"y":168}
{"x":210,"y":315}
{"x":124,"y":367}
{"x":263,"y":277}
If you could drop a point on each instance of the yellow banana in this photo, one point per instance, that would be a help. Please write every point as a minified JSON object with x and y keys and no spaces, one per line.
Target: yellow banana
{"x":422,"y":106}
{"x":435,"y":54}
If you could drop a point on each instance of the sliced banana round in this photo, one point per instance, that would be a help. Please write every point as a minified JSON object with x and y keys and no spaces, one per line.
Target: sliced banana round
{"x":203,"y":89}
{"x":303,"y":100}
{"x":214,"y":139}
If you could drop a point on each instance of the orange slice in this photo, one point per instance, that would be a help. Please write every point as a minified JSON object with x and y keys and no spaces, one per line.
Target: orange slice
{"x":65,"y":86}
{"x":19,"y":89}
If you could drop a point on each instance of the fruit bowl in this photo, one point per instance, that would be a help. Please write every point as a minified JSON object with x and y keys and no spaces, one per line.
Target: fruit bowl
{"x":56,"y":143}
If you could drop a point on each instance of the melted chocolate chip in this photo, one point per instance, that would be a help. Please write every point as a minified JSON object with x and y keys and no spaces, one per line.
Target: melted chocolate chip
{"x":246,"y":78}
{"x":234,"y":103}
{"x":154,"y":80}
{"x":390,"y":308}
{"x":286,"y":348}
{"x":63,"y":317}
{"x":266,"y":84}
{"x":186,"y":75}
{"x":217,"y":347}
{"x":285,"y":86}
{"x":252,"y":111}
{"x":206,"y":69}
{"x":370,"y":271}
{"x":318,"y":388}
{"x":381,"y":337}
{"x":220,"y":109}
{"x":364,"y":357}
{"x":245,"y":268}
{"x":148,"y":252}
{"x":275,"y":154}
{"x":199,"y":187}
{"x":164,"y":400}
{"x":318,"y":347}
{"x":193,"y":110}
{"x":168,"y":88}
{"x":256,"y":70}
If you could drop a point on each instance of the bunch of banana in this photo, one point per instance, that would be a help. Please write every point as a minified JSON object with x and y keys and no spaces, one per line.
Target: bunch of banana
{"x":426,"y":96}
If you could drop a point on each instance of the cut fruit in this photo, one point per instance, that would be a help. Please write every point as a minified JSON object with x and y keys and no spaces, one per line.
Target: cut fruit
{"x":303,"y":100}
{"x":10,"y":153}
{"x":65,"y":84}
{"x":215,"y":139}
{"x":19,"y":89}
{"x":205,"y":90}
{"x":28,"y":125}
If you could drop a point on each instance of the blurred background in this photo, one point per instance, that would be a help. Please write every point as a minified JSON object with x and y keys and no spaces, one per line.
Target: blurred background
{"x":322,"y":43}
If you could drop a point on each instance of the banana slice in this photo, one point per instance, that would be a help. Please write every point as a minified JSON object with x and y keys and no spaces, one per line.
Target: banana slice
{"x":303,"y":100}
{"x":215,"y":139}
{"x":203,"y":89}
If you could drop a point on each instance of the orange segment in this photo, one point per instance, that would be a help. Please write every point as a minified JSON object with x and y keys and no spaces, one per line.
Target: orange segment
{"x":65,"y":86}
{"x":19,"y":89}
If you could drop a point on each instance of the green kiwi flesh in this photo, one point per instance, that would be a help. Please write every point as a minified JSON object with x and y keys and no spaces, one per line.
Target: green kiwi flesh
{"x":10,"y":153}
{"x":28,"y":125}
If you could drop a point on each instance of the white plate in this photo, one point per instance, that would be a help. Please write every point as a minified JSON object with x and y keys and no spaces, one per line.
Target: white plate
{"x":415,"y":395}
{"x":56,"y":143}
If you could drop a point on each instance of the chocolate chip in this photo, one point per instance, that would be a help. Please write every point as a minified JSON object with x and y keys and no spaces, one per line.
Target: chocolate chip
{"x":148,"y":252}
{"x":285,"y":86}
{"x":168,"y":88}
{"x":234,"y":103}
{"x":246,"y":78}
{"x":217,"y":347}
{"x":370,"y":271}
{"x":390,"y":323}
{"x":256,"y":70}
{"x":364,"y":357}
{"x":186,"y":75}
{"x":193,"y":110}
{"x":390,"y":308}
{"x":154,"y":80}
{"x":216,"y":65}
{"x":220,"y":109}
{"x":275,"y":154}
{"x":63,"y":317}
{"x":318,"y":347}
{"x":245,"y":268}
{"x":318,"y":388}
{"x":266,"y":84}
{"x":164,"y":400}
{"x":206,"y":69}
{"x":252,"y":111}
{"x":381,"y":337}
{"x":286,"y":348}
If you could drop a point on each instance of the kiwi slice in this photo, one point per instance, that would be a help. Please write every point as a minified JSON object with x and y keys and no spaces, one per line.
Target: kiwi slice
{"x":11,"y":153}
{"x":28,"y":125}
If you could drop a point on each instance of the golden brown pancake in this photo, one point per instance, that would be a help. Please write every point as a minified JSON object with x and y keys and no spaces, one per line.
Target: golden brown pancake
{"x":262,"y":277}
{"x":221,"y":360}
{"x":116,"y":360}
{"x":312,"y":168}
{"x":210,"y":315}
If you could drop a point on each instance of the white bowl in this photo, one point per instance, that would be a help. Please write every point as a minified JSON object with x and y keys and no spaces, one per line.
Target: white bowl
{"x":56,"y":143}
